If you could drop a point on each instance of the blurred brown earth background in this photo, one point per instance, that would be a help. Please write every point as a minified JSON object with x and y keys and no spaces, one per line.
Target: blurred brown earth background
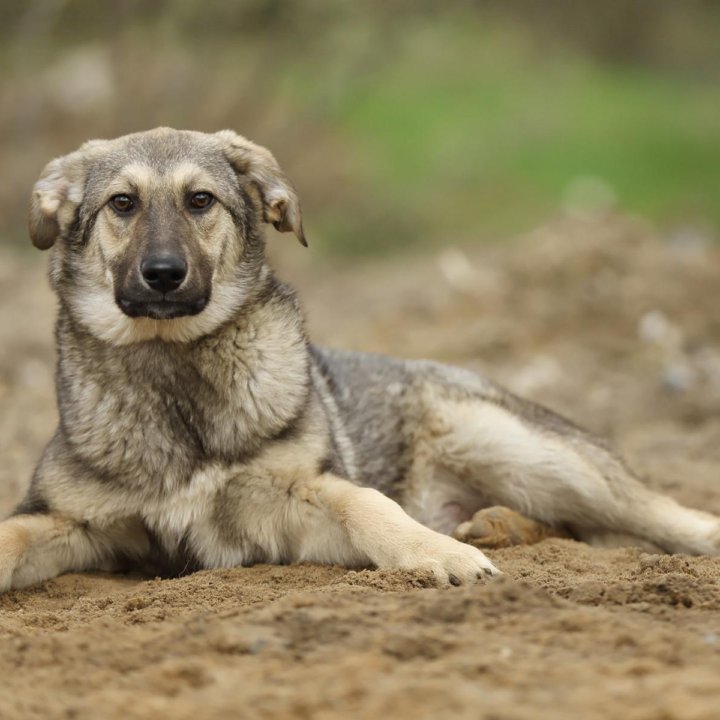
{"x":526,"y":189}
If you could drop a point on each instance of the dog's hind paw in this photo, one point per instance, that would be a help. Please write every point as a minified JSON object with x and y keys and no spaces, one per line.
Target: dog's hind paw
{"x":498,"y":527}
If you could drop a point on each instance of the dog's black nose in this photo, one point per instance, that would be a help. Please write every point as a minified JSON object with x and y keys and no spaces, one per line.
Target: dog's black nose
{"x":164,"y":273}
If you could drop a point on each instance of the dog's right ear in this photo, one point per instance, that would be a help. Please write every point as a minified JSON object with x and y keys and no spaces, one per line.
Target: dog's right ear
{"x":55,"y":199}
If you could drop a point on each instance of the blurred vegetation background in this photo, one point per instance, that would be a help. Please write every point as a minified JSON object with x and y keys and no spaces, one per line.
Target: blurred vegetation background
{"x":401,"y":123}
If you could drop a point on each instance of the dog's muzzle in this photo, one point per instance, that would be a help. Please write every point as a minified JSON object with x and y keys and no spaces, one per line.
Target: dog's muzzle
{"x":161,"y":309}
{"x":160,"y":291}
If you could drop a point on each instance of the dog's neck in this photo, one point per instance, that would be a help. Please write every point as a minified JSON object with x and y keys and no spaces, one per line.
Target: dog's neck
{"x":215,"y":399}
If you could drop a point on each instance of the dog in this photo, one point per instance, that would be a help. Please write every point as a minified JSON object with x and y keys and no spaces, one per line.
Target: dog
{"x":200,"y":428}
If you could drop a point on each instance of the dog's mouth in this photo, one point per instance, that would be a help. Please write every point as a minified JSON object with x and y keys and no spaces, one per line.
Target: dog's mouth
{"x":161,"y":309}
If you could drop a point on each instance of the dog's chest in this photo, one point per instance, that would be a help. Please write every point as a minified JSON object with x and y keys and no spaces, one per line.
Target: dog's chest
{"x":159,"y":418}
{"x":224,"y":516}
{"x":181,"y":520}
{"x":138,"y":434}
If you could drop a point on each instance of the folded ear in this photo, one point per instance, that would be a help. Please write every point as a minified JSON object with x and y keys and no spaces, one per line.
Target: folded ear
{"x":281,"y":205}
{"x":55,"y":199}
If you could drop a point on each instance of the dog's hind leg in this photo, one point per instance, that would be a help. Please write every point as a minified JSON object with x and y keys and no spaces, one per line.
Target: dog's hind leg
{"x":500,"y":527}
{"x":37,"y":547}
{"x":516,"y":454}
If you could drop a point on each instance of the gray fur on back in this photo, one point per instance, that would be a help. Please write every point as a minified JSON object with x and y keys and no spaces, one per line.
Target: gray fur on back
{"x":379,"y":401}
{"x":370,"y":392}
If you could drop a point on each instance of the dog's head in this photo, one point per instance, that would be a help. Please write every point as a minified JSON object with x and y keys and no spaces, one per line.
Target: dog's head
{"x":159,"y":234}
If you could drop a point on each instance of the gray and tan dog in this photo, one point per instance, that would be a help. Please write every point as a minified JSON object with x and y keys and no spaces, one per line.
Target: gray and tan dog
{"x":199,"y":428}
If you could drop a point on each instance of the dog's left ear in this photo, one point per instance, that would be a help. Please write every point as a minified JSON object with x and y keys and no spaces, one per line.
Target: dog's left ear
{"x":281,"y":205}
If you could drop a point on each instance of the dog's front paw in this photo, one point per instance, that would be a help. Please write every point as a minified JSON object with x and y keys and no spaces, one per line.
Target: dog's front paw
{"x":6,"y":573}
{"x":13,"y":541}
{"x":450,"y":561}
{"x":8,"y":563}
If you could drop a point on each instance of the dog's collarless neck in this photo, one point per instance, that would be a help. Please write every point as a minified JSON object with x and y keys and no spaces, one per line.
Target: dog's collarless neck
{"x":215,"y":399}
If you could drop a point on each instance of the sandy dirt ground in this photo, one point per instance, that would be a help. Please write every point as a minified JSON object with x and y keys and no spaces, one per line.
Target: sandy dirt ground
{"x":604,"y":321}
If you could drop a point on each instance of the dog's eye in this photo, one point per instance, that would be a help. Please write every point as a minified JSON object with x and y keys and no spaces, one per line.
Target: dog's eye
{"x":122,"y":204}
{"x":201,"y":201}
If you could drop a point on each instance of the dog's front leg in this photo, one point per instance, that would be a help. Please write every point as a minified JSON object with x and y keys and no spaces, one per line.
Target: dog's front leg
{"x":37,"y":547}
{"x":357,"y":525}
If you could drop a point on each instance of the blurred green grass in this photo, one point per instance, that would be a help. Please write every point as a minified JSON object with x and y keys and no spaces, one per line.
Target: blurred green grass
{"x":402,"y":125}
{"x":457,"y":133}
